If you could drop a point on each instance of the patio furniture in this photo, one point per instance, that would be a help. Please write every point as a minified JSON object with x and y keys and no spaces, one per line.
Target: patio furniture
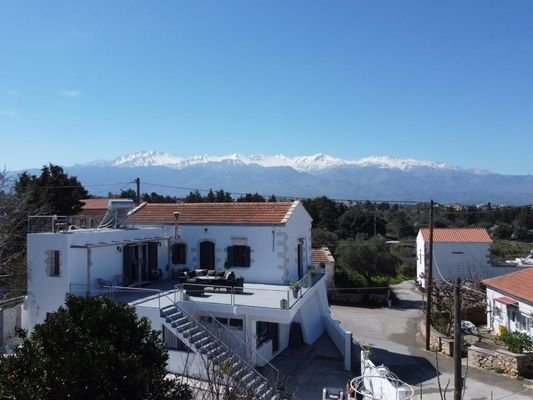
{"x":192,"y":288}
{"x":217,"y":282}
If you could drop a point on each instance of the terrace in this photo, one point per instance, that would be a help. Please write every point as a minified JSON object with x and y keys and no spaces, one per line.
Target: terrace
{"x":162,"y":293}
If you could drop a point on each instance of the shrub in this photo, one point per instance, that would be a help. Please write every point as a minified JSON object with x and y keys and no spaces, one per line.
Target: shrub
{"x":517,"y":342}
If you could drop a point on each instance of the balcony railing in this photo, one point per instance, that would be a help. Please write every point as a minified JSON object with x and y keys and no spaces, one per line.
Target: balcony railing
{"x":250,"y":295}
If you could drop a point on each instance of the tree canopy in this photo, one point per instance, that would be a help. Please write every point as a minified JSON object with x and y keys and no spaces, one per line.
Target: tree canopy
{"x":53,"y":190}
{"x":90,"y":348}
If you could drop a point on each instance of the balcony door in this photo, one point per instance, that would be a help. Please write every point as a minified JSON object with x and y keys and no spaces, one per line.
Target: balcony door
{"x":207,"y":255}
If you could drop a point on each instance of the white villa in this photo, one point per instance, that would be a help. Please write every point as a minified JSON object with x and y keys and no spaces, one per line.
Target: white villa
{"x":233,"y":281}
{"x":463,"y":253}
{"x":510,"y":302}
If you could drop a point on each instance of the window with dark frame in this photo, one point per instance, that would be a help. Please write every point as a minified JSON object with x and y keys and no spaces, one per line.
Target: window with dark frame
{"x":265,"y":331}
{"x":239,"y":256}
{"x":54,"y":263}
{"x":179,"y":253}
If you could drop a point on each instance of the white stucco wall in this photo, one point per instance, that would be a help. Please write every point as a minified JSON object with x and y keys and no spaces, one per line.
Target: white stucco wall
{"x":273,"y":248}
{"x":499,"y":314}
{"x":313,"y":312}
{"x":46,"y":293}
{"x":455,"y":260}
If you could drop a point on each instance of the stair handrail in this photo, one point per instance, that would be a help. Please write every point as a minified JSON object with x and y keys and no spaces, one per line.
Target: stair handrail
{"x":219,"y":340}
{"x":225,"y":329}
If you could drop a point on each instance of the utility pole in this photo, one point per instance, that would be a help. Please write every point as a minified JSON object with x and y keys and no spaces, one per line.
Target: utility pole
{"x":138,"y":182}
{"x":429,"y":278}
{"x":458,"y":379}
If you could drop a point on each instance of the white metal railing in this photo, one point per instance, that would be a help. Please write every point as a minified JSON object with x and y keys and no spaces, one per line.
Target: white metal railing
{"x":272,"y":378}
{"x":284,"y":298}
{"x":48,"y":223}
{"x":249,"y":351}
{"x":176,"y":297}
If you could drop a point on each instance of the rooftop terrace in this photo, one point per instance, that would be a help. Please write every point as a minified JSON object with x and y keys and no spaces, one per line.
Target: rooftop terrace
{"x":164,"y":293}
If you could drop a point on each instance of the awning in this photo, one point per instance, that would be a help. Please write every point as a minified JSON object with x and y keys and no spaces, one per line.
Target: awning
{"x":507,"y":301}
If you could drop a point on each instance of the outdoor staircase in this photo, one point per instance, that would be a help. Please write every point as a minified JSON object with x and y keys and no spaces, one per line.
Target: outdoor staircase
{"x":198,"y":338}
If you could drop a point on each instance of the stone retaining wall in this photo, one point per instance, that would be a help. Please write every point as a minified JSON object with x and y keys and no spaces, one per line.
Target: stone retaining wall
{"x":437,"y":341}
{"x":502,"y":361}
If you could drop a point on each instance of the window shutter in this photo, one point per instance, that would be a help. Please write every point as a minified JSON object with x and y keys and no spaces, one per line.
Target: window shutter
{"x":49,"y":262}
{"x":179,"y":253}
{"x":152,"y":256}
{"x":56,"y":263}
{"x":246,"y":256}
{"x":175,"y":253}
{"x":231,"y":257}
{"x":183,"y":253}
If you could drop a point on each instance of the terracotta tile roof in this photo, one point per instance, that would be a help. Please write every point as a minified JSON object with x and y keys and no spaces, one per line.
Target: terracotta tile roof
{"x":321,"y":255}
{"x":95,"y":204}
{"x":213,"y":213}
{"x":457,"y":235}
{"x":516,"y":284}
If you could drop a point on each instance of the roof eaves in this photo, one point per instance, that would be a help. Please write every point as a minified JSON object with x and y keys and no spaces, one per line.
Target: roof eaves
{"x":290,"y":211}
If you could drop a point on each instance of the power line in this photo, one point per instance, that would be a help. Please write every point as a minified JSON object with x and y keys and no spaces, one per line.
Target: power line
{"x":439,"y":210}
{"x":288,"y":196}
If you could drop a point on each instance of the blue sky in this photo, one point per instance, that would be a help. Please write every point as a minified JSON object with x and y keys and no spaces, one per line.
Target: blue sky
{"x":444,"y":81}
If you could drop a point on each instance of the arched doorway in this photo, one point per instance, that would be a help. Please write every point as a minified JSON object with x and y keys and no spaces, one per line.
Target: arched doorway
{"x":207,"y":255}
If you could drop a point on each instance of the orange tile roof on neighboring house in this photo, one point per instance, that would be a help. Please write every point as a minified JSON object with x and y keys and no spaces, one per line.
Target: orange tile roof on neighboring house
{"x":516,"y":284}
{"x":321,"y":255}
{"x":213,"y":213}
{"x":457,"y":235}
{"x":95,"y":204}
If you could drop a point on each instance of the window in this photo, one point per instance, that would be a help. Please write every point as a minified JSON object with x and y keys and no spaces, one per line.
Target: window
{"x":524,"y":322}
{"x":53,"y":264}
{"x":497,"y":311}
{"x":234,"y":323}
{"x":179,"y":253}
{"x":238,"y":256}
{"x":266,"y":331}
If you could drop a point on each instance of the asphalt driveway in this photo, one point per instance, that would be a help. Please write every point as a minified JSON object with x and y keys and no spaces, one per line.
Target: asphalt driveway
{"x":393,"y":335}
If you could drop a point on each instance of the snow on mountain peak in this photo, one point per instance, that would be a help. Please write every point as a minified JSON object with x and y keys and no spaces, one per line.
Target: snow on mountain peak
{"x":315,"y":162}
{"x":146,"y":159}
{"x":400,"y":163}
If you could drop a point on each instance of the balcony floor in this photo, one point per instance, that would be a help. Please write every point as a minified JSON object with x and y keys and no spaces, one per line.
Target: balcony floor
{"x":163,"y":293}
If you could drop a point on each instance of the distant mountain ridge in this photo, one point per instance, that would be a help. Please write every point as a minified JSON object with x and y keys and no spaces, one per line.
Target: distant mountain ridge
{"x":371,"y":178}
{"x":303,"y":163}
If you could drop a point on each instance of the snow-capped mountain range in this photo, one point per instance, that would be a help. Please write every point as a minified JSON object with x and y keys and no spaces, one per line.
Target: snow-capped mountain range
{"x":310,"y":163}
{"x":370,"y":178}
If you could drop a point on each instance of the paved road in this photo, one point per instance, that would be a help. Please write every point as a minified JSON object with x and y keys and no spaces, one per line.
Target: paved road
{"x":396,"y":344}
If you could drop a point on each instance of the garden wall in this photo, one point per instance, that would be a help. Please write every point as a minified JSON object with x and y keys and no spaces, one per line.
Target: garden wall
{"x":502,"y":361}
{"x":437,"y":341}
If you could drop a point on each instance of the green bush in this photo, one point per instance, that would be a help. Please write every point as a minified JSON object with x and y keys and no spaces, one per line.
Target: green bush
{"x":350,"y":279}
{"x":517,"y":342}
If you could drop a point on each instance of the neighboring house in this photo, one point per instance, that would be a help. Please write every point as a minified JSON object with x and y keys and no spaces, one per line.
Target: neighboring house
{"x":266,"y":244}
{"x":262,"y":242}
{"x":510,"y":302}
{"x":92,"y":212}
{"x":323,"y":261}
{"x":457,"y":253}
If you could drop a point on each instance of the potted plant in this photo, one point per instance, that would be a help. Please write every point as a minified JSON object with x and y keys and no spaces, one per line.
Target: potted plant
{"x":295,"y":287}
